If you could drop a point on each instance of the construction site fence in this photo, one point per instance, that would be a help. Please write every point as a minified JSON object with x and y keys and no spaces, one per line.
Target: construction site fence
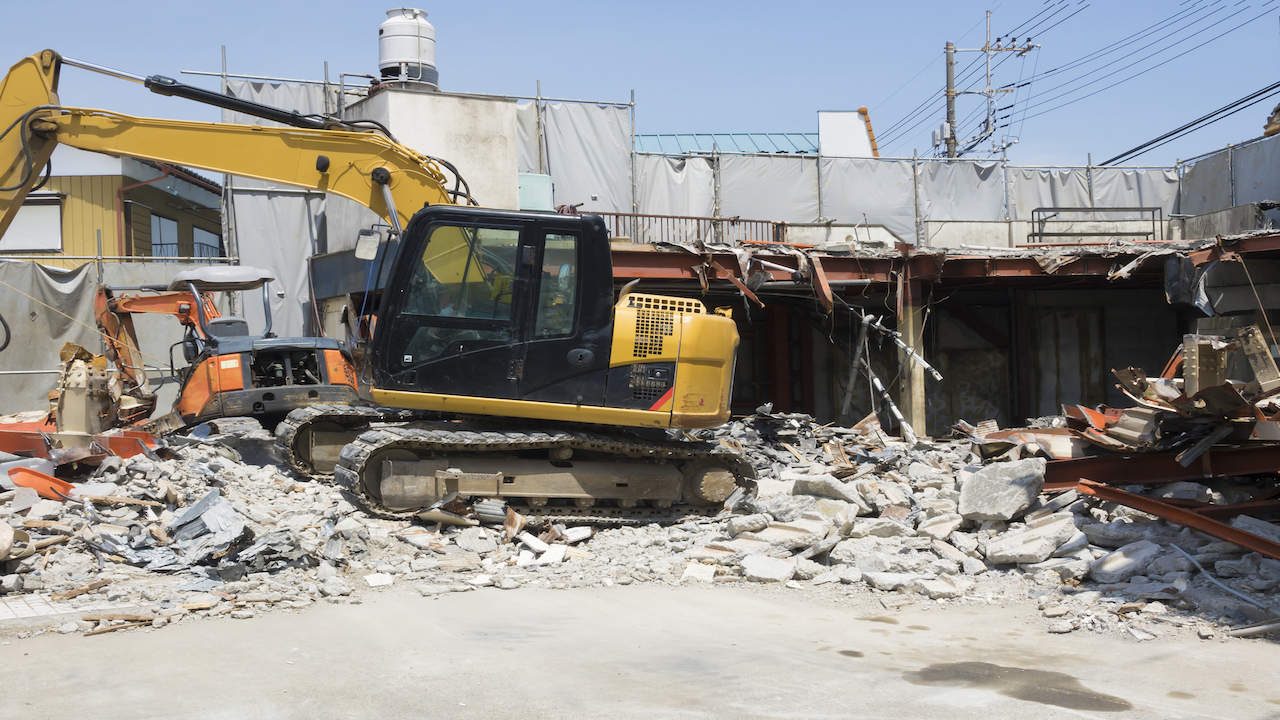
{"x":44,"y":307}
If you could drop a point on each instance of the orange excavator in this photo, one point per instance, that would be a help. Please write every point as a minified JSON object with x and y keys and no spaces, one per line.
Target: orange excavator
{"x":228,"y":371}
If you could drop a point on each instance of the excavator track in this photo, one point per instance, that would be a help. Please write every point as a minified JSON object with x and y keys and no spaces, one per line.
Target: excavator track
{"x":357,"y":459}
{"x":293,"y":432}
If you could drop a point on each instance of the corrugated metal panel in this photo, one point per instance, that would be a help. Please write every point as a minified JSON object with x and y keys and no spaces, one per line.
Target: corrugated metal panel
{"x":691,"y":143}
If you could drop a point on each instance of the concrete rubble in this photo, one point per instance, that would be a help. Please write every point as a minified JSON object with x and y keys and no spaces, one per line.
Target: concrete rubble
{"x":839,"y":512}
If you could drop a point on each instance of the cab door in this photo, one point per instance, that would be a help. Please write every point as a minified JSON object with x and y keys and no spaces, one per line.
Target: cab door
{"x":569,"y":330}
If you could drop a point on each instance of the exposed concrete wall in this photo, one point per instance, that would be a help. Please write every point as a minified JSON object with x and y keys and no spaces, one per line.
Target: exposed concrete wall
{"x":1001,"y":234}
{"x":476,"y":134}
{"x":1239,"y":219}
{"x":843,"y":237}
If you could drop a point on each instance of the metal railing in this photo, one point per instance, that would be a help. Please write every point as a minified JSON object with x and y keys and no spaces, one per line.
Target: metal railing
{"x":1040,"y":218}
{"x":683,"y":229}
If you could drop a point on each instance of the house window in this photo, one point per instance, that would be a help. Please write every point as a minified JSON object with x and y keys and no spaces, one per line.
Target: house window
{"x":37,"y":226}
{"x":164,"y":237}
{"x":207,"y":244}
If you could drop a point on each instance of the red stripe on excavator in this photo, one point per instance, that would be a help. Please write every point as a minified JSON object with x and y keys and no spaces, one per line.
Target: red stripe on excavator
{"x":666,"y":398}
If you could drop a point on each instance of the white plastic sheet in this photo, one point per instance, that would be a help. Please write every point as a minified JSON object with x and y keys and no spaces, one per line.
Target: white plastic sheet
{"x":961,"y":191}
{"x":1206,"y":185}
{"x":1258,"y":171}
{"x":276,"y":228}
{"x":527,"y":156}
{"x":1031,"y":188}
{"x":60,"y":310}
{"x":589,"y":155}
{"x":882,"y":190}
{"x":676,"y":186}
{"x":781,"y":188}
{"x":1128,"y":187}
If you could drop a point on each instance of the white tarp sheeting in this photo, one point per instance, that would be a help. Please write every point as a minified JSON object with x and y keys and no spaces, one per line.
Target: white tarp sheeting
{"x":527,"y":158}
{"x":676,"y":186}
{"x":277,"y":227}
{"x":1031,"y":188}
{"x":781,"y":188}
{"x":880,"y":189}
{"x":1129,"y":187}
{"x":588,"y":155}
{"x":1258,"y":171}
{"x":1207,"y":183}
{"x":46,"y":307}
{"x":961,"y":191}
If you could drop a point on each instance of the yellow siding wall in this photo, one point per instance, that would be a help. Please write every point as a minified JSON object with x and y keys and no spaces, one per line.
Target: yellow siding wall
{"x":89,"y":205}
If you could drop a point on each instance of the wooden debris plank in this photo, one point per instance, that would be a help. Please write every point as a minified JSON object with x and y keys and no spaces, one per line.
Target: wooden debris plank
{"x":113,"y":628}
{"x":80,"y":590}
{"x":117,"y":500}
{"x":42,"y":544}
{"x":795,"y":452}
{"x":114,"y":617}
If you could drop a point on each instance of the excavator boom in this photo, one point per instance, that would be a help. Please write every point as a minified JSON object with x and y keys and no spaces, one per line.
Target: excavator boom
{"x":353,"y":164}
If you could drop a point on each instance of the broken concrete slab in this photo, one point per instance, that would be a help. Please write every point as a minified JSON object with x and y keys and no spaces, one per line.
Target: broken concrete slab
{"x":762,"y":568}
{"x":747,"y":523}
{"x":698,"y":572}
{"x":943,"y":587}
{"x":940,"y":527}
{"x":829,"y":487}
{"x":1002,"y":490}
{"x":877,"y":527}
{"x":1122,"y":564}
{"x":890,"y":581}
{"x":1033,"y":543}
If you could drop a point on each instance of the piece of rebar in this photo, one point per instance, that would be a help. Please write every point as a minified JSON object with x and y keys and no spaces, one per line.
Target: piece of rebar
{"x":1215,"y":581}
{"x":907,"y":433}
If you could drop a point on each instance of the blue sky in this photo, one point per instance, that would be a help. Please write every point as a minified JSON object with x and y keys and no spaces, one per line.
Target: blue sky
{"x":730,"y":66}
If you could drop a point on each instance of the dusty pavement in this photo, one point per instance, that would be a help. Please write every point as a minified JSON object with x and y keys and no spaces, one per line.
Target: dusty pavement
{"x":640,"y":651}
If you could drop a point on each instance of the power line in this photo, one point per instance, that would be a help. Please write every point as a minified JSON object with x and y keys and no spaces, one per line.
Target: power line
{"x":906,"y":127}
{"x":1116,"y":46}
{"x":1139,"y":73}
{"x":1202,"y":121}
{"x":1140,"y":60}
{"x":926,"y":67}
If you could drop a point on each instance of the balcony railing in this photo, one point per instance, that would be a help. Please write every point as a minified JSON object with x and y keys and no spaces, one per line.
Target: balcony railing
{"x":682,"y":229}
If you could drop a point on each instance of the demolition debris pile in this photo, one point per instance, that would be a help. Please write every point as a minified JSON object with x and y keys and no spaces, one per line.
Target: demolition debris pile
{"x":146,"y":542}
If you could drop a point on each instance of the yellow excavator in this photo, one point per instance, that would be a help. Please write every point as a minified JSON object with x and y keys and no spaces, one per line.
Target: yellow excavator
{"x":502,"y":365}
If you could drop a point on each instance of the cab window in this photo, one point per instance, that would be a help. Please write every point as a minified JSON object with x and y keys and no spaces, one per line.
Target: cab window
{"x":460,"y":294}
{"x":558,"y":287}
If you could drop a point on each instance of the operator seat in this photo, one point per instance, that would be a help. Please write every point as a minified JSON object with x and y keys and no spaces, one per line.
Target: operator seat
{"x":225,"y":278}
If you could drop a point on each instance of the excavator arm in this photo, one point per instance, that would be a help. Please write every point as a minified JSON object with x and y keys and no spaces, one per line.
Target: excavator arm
{"x":363,"y":166}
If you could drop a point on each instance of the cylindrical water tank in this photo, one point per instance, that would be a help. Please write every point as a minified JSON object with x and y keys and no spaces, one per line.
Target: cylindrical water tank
{"x":407,"y":47}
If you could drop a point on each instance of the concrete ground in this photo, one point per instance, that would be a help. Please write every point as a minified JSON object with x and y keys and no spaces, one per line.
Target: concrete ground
{"x":640,"y":651}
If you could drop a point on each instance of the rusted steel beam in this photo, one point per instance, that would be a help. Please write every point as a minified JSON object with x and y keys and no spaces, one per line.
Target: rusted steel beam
{"x":1244,"y":508}
{"x":649,"y":264}
{"x":1156,"y":468}
{"x":1180,"y":516}
{"x":1229,"y":249}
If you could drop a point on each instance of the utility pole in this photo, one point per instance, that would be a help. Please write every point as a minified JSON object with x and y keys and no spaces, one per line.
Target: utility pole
{"x":951,"y":99}
{"x":988,"y":125}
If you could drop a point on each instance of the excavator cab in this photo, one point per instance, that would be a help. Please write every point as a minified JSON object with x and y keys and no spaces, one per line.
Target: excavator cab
{"x":496,"y":304}
{"x":512,"y":313}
